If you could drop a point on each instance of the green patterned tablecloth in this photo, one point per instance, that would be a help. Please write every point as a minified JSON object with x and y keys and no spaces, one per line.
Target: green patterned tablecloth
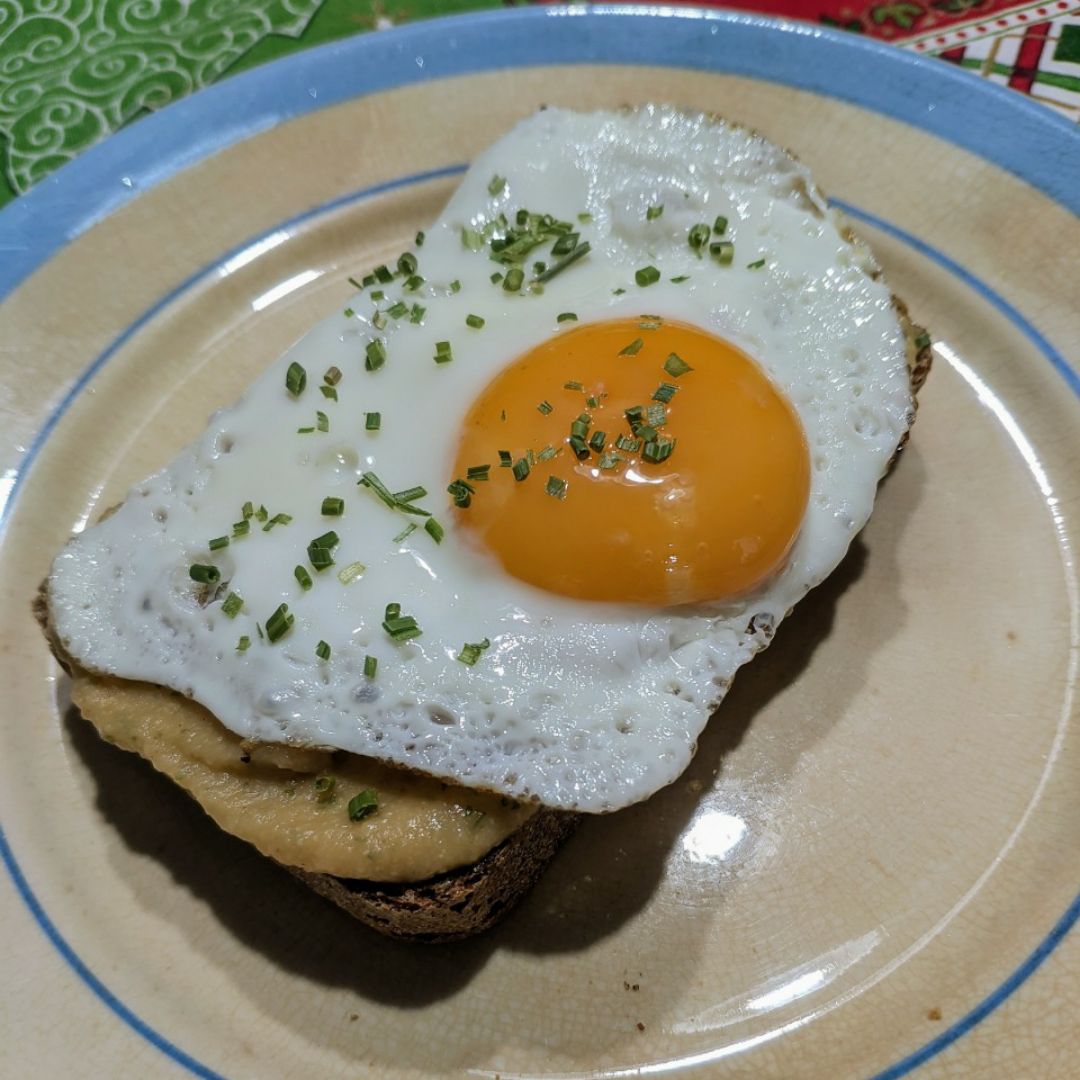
{"x":72,"y":71}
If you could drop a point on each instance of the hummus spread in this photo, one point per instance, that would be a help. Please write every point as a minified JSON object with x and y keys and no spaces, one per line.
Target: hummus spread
{"x":281,"y":799}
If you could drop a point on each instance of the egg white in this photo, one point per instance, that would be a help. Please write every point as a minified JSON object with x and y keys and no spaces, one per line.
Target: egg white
{"x":575,"y":704}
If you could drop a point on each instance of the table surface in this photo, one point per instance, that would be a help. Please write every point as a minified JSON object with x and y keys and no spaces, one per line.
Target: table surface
{"x":72,"y":72}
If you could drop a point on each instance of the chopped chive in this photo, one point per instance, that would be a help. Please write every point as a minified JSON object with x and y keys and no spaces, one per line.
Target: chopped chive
{"x":203,"y":574}
{"x":383,"y":274}
{"x":698,"y":237}
{"x":279,"y":624}
{"x":416,"y":314}
{"x":584,"y":218}
{"x":324,"y":785}
{"x":654,"y":212}
{"x":262,"y":513}
{"x":757,"y":264}
{"x":477,"y":472}
{"x":471,"y":239}
{"x":664,"y":392}
{"x":304,"y":430}
{"x":248,"y":511}
{"x":506,"y":459}
{"x":565,"y":244}
{"x":295,"y":379}
{"x":723,"y":251}
{"x":368,"y":279}
{"x":434,"y":530}
{"x":579,"y":252}
{"x":375,"y":355}
{"x":573,"y":385}
{"x":303,"y":577}
{"x":355,"y":284}
{"x":410,"y":494}
{"x":372,"y":421}
{"x":475,"y":321}
{"x":378,"y":295}
{"x":658,"y":450}
{"x":277,"y":519}
{"x":218,"y":543}
{"x":419,"y":239}
{"x":371,"y":665}
{"x":400,"y":627}
{"x":596,"y":440}
{"x":680,"y":279}
{"x":443,"y":352}
{"x":608,"y":460}
{"x":328,"y":539}
{"x":566,"y":316}
{"x":496,"y":278}
{"x":407,"y":263}
{"x":592,"y":402}
{"x":556,"y":486}
{"x":462,"y":492}
{"x":633,"y":348}
{"x":579,"y":446}
{"x":545,"y":407}
{"x":470,"y":651}
{"x":405,"y":533}
{"x":363,"y":805}
{"x":618,"y":292}
{"x":348,"y":574}
{"x":513,"y":280}
{"x":625,"y":442}
{"x":319,"y":550}
{"x":455,"y":286}
{"x":243,"y":644}
{"x":413,"y":283}
{"x":378,"y":320}
{"x":720,"y":225}
{"x":655,"y":416}
{"x":539,"y":267}
{"x":922,"y":341}
{"x":232,"y":605}
{"x":329,"y":392}
{"x":258,"y":627}
{"x":398,"y":309}
{"x":496,"y":185}
{"x":322,"y":651}
{"x":333,"y":506}
{"x":521,"y":469}
{"x":676,"y":366}
{"x":647,"y":275}
{"x":322,"y":421}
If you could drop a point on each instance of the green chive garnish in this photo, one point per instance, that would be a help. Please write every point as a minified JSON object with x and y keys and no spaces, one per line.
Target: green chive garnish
{"x":545,"y":407}
{"x":243,"y":644}
{"x":470,"y":651}
{"x":333,"y":506}
{"x":375,"y":355}
{"x":654,"y":212}
{"x":566,"y":316}
{"x":329,"y":392}
{"x":723,"y":251}
{"x":262,"y":513}
{"x":348,"y":574}
{"x":625,"y":442}
{"x":471,"y":239}
{"x":455,"y":286}
{"x":241,"y":528}
{"x":496,"y":185}
{"x":573,"y":385}
{"x":371,"y":665}
{"x":232,"y":605}
{"x":400,"y":627}
{"x":477,"y":472}
{"x":203,"y":574}
{"x":720,"y":225}
{"x":416,"y":314}
{"x":513,"y":280}
{"x":698,"y":237}
{"x":363,"y":805}
{"x":556,"y":486}
{"x":324,"y":785}
{"x":218,"y":543}
{"x":647,"y":275}
{"x":279,"y":624}
{"x":565,"y":244}
{"x":322,"y":651}
{"x":579,"y":252}
{"x":277,"y":519}
{"x":521,"y":469}
{"x":322,"y":421}
{"x":295,"y":379}
{"x":547,"y":453}
{"x":405,"y":533}
{"x":757,"y":264}
{"x":358,"y":286}
{"x":378,"y":320}
{"x":303,"y":577}
{"x":434,"y":530}
{"x":397,"y":310}
{"x":475,"y":321}
{"x":248,"y":511}
{"x":506,"y":459}
{"x":680,"y":279}
{"x":406,"y":263}
{"x":584,"y":218}
{"x":664,"y":392}
{"x":675,"y":365}
{"x":609,"y":460}
{"x":658,"y":450}
{"x":496,"y":278}
{"x":420,"y":239}
{"x":462,"y":492}
{"x":372,"y":421}
{"x":443,"y":352}
{"x":596,"y":440}
{"x":633,"y":348}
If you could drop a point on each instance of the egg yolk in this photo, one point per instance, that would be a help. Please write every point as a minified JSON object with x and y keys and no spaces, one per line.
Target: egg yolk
{"x":711,"y":520}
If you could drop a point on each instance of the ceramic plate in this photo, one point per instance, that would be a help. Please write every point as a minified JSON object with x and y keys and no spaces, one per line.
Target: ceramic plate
{"x":871,"y":866}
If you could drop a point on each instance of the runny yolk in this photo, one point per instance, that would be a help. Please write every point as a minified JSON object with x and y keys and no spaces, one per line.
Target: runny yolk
{"x":711,"y":521}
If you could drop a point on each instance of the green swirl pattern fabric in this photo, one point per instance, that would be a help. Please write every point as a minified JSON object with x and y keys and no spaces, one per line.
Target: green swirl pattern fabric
{"x":72,"y":71}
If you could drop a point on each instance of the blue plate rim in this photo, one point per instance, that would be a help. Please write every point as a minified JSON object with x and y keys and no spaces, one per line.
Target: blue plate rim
{"x":998,"y":125}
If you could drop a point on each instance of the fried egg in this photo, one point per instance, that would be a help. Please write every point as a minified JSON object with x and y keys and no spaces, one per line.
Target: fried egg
{"x":516,"y":514}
